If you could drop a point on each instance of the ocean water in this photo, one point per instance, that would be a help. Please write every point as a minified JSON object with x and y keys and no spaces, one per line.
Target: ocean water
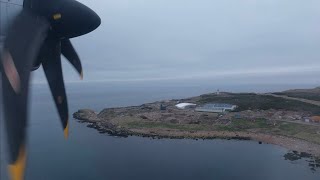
{"x":90,"y":155}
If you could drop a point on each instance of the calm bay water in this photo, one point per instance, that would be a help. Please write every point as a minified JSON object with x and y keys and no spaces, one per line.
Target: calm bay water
{"x":90,"y":155}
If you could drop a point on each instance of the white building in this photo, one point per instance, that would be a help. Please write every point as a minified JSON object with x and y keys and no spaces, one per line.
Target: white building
{"x":185,"y":105}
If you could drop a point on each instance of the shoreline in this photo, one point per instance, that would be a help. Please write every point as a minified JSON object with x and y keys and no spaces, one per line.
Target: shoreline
{"x":292,"y":144}
{"x":258,"y":117}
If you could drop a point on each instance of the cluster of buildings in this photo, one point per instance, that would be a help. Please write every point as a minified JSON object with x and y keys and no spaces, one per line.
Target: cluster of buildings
{"x":315,"y":119}
{"x":268,"y":114}
{"x":210,"y":107}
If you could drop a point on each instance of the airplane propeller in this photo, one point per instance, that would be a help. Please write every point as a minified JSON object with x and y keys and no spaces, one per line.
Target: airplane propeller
{"x":39,"y":35}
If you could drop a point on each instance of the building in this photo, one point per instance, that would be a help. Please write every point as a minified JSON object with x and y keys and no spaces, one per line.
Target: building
{"x":307,"y":120}
{"x":162,"y":107}
{"x":316,"y":119}
{"x":216,"y":108}
{"x":185,"y":105}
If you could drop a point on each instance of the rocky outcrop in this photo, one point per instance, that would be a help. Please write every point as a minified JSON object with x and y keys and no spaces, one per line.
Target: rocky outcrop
{"x":86,"y":114}
{"x":103,"y":126}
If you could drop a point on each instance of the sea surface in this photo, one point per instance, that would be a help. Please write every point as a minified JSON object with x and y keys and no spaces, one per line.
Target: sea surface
{"x":90,"y":155}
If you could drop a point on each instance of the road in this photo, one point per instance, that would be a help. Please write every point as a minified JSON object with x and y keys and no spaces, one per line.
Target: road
{"x":317,"y":103}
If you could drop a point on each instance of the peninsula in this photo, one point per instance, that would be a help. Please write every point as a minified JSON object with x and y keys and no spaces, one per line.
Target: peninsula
{"x":290,"y":119}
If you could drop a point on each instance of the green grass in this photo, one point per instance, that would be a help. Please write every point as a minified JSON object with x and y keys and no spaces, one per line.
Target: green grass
{"x":160,"y":125}
{"x":242,"y":125}
{"x":299,"y":131}
{"x":304,"y":132}
{"x":291,"y":128}
{"x":251,"y":101}
{"x":236,"y":125}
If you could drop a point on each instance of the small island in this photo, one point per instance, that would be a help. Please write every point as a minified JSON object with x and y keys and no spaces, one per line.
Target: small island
{"x":290,"y":119}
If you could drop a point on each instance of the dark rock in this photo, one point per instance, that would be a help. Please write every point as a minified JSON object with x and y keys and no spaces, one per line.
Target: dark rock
{"x":313,"y":162}
{"x":173,"y":120}
{"x":305,"y":155}
{"x":240,"y":138}
{"x":194,"y":122}
{"x":143,"y":117}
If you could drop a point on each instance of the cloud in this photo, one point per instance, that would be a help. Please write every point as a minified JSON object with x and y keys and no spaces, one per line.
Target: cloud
{"x":190,"y":40}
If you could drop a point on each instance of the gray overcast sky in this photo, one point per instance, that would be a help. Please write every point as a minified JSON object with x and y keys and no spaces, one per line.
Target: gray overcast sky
{"x":217,"y":40}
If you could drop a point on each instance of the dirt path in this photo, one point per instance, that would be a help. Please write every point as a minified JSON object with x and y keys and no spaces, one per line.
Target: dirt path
{"x":317,"y":103}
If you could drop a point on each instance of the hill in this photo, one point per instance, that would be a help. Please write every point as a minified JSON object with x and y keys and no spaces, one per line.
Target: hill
{"x":311,"y":94}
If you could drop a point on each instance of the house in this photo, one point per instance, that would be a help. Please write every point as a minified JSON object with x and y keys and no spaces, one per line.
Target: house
{"x":315,"y":119}
{"x":162,"y":107}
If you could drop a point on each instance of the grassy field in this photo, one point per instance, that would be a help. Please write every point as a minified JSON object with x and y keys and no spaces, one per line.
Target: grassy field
{"x":161,"y":125}
{"x":304,"y":132}
{"x":243,"y":125}
{"x":251,"y":101}
{"x":299,"y":131}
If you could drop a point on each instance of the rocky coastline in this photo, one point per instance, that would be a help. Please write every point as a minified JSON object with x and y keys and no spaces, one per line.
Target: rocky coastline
{"x":153,"y":121}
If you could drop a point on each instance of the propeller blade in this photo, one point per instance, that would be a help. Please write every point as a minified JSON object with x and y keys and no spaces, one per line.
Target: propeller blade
{"x":53,"y":71}
{"x":21,"y":47}
{"x":71,"y":55}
